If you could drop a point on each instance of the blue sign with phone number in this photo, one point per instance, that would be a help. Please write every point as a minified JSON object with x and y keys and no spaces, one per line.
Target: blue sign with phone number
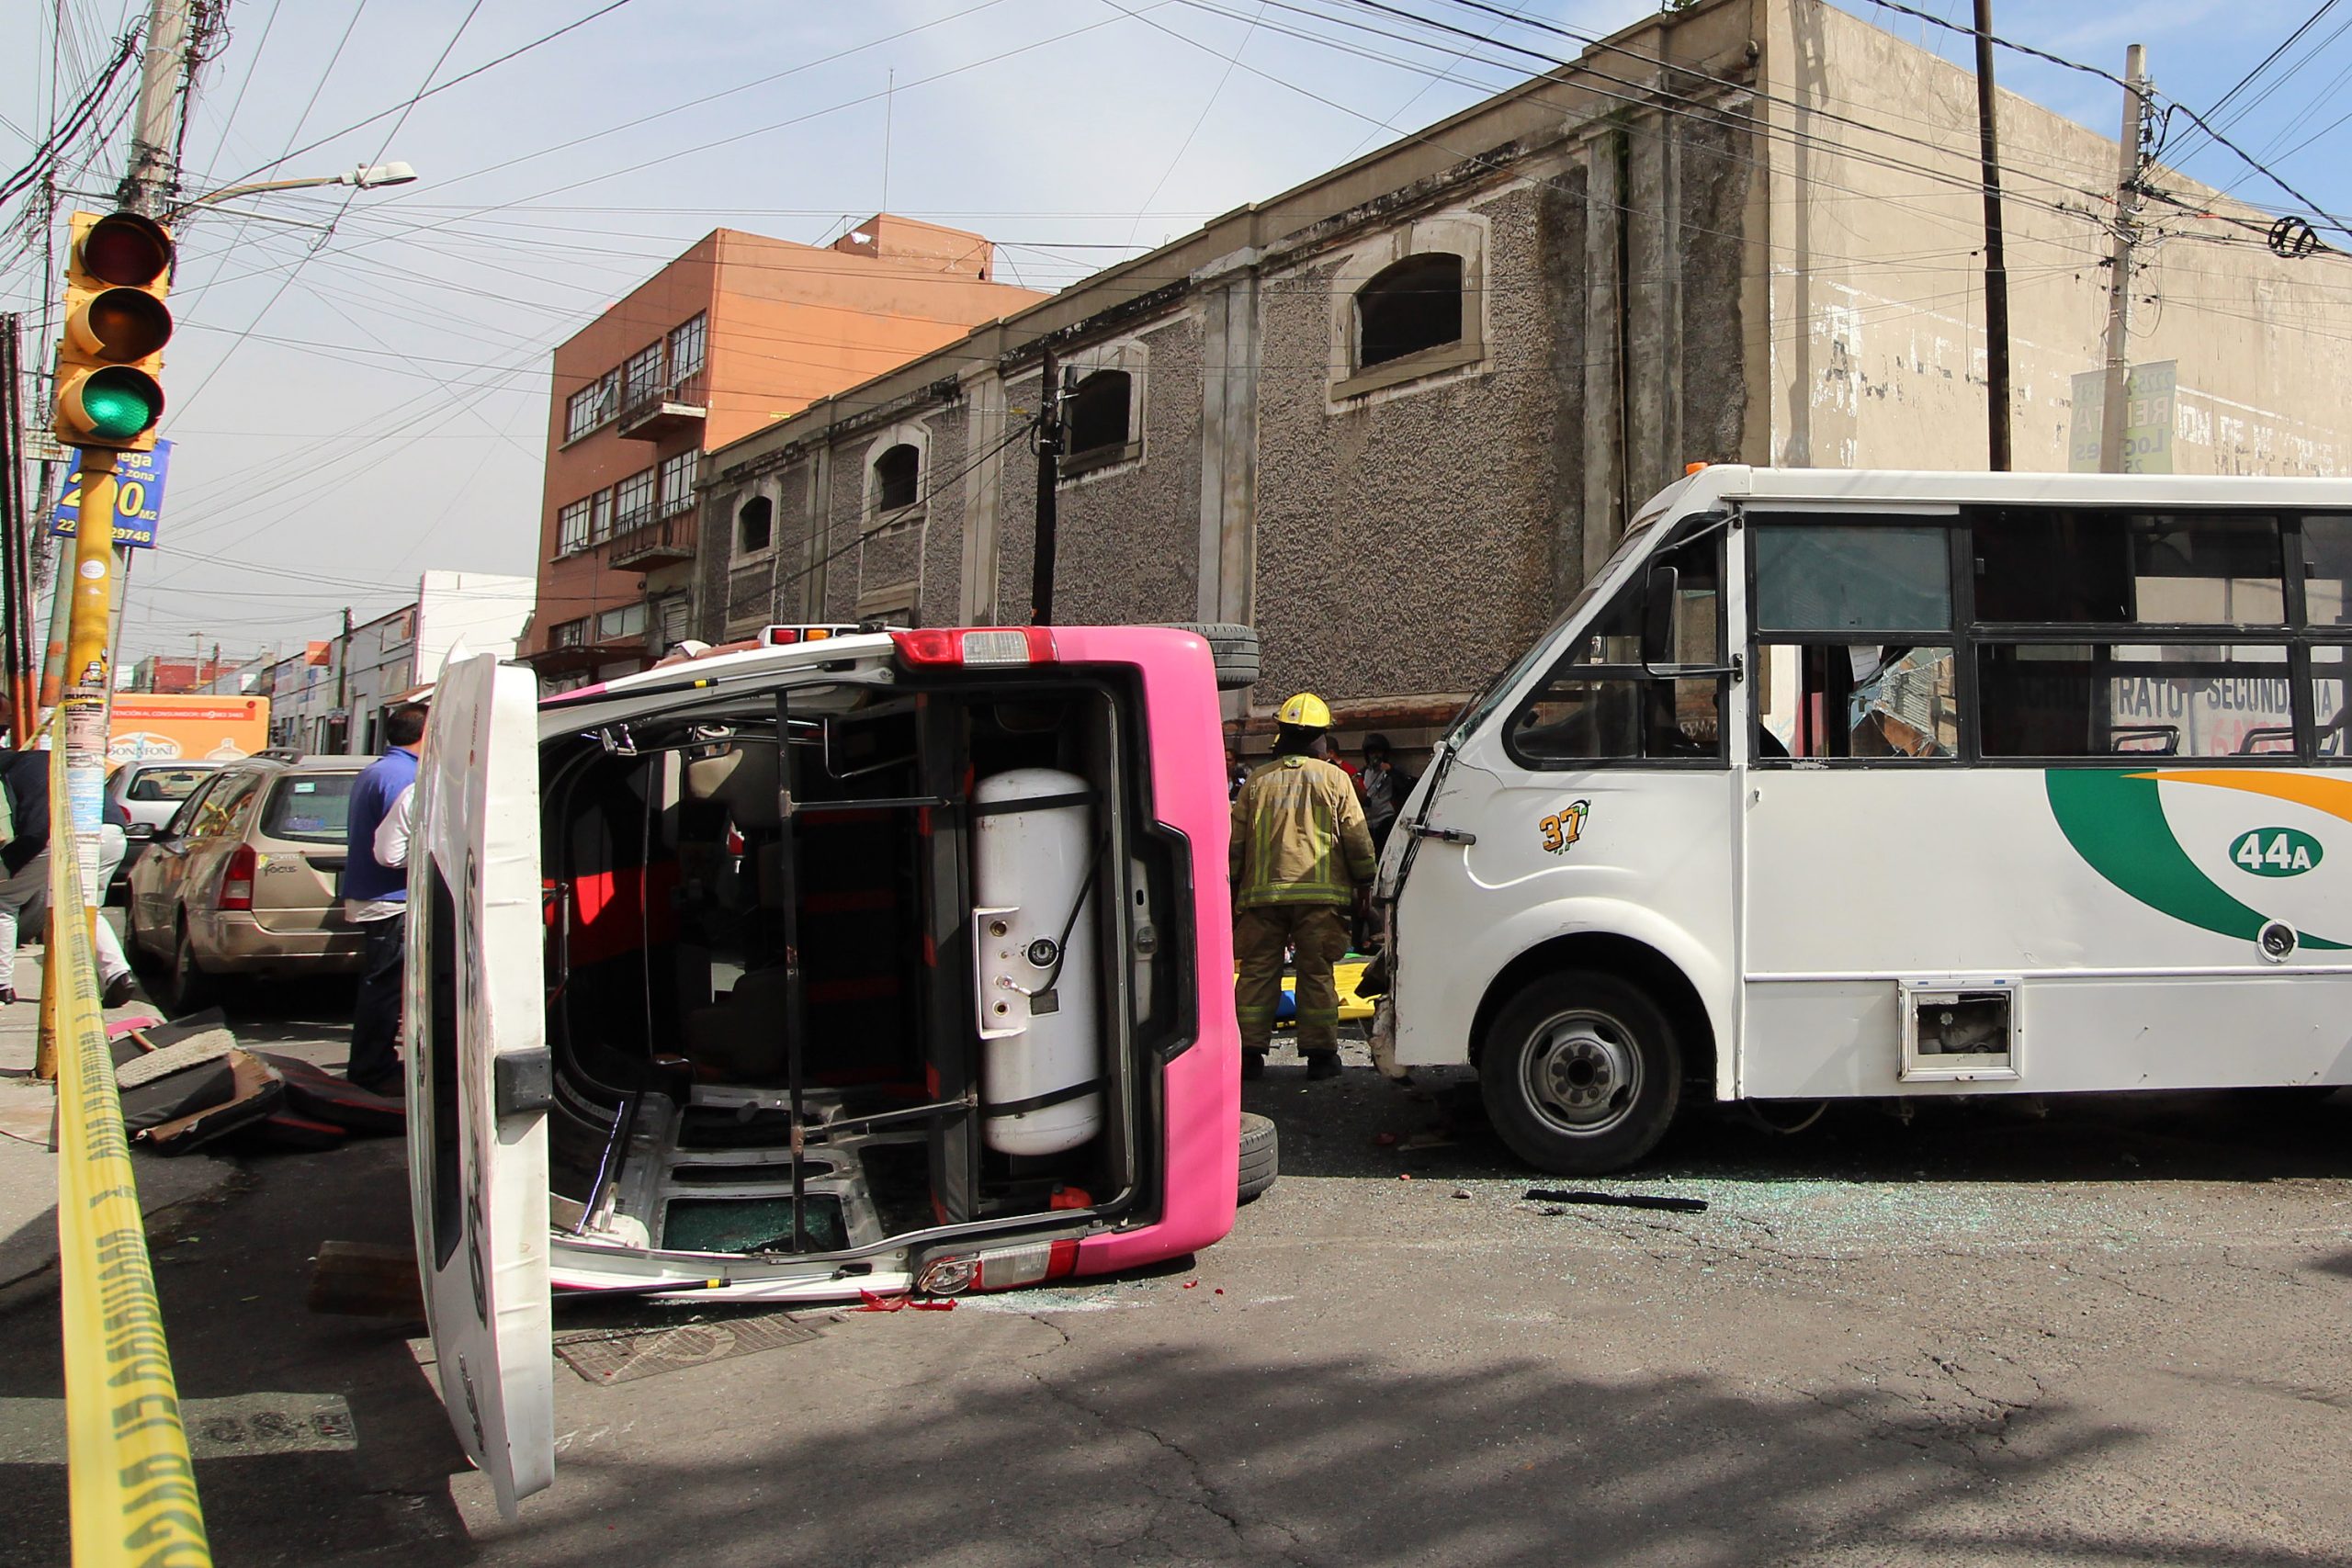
{"x":138,"y":498}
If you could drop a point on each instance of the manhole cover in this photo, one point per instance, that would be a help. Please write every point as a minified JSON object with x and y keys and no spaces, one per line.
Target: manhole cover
{"x":620,"y":1355}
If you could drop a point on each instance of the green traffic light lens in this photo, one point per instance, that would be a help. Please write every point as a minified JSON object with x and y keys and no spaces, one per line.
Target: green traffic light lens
{"x":118,"y":407}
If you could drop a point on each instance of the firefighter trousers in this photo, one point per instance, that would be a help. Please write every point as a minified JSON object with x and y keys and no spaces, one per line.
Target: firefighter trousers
{"x":1319,"y":933}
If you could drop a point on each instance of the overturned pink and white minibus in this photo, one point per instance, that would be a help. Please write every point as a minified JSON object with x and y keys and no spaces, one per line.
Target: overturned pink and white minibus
{"x":862,"y":963}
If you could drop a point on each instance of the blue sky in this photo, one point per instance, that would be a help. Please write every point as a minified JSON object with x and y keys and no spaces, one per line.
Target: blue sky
{"x":355,"y":404}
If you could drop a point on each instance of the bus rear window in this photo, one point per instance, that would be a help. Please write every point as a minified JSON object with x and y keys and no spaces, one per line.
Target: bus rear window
{"x":312,"y":808}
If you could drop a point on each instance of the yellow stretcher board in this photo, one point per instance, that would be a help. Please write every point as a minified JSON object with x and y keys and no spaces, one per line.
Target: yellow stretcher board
{"x":1348,"y":973}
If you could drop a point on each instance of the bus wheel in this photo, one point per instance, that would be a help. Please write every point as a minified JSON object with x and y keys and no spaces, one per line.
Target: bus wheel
{"x":1580,"y":1074}
{"x":1260,"y":1155}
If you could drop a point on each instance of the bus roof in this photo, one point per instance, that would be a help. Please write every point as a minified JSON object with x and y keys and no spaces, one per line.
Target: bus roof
{"x":1896,"y":487}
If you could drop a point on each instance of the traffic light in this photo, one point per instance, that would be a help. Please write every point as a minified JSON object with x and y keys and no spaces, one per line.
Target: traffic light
{"x":109,"y":396}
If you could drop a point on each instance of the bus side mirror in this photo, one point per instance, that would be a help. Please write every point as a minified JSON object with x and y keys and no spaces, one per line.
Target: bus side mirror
{"x":1660,"y":596}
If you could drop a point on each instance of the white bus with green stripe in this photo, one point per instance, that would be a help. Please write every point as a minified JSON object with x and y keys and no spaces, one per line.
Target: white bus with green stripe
{"x":1848,"y":784}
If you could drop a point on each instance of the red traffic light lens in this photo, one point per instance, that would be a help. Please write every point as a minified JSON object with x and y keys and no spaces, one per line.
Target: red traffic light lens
{"x":125,"y":249}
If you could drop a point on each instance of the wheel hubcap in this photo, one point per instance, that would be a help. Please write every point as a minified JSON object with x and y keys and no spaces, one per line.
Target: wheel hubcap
{"x":1583,"y":1072}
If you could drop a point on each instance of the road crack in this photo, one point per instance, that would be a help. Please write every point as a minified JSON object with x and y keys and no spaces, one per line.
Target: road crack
{"x":1204,"y":1494}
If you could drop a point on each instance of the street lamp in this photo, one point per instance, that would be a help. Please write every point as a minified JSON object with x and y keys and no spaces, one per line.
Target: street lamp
{"x":372,"y":177}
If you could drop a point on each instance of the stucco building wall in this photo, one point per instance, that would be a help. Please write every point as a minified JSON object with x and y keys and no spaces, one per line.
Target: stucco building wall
{"x":1749,"y":231}
{"x":1878,"y":354}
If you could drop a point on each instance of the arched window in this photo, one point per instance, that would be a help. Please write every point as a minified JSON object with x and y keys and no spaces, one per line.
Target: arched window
{"x":754,"y":525}
{"x":898,"y":477}
{"x":1096,"y":415}
{"x":1413,"y":305}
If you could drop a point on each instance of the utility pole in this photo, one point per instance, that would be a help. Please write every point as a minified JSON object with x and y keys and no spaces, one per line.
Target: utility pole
{"x":1049,"y":474}
{"x":1997,"y":272}
{"x":16,"y":606}
{"x":152,"y":177}
{"x":343,"y":683}
{"x":2119,"y":298}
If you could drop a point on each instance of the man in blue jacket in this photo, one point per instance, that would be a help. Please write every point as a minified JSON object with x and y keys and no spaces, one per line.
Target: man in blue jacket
{"x":375,"y":898}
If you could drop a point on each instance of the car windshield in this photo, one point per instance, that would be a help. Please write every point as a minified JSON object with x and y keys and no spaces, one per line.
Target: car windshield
{"x":165,"y":783}
{"x":312,"y":808}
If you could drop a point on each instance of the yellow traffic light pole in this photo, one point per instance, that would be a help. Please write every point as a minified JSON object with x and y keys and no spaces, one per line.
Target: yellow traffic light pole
{"x":109,"y":355}
{"x":86,"y":668}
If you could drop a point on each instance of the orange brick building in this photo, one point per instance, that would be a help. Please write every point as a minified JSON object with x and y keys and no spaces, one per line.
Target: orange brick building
{"x":737,"y":332}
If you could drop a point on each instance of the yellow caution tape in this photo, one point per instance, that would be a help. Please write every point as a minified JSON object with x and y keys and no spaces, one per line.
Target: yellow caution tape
{"x":132,"y":1485}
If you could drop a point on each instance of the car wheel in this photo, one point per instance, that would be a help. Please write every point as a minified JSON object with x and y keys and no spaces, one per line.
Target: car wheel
{"x":1233,"y":649}
{"x":1260,"y":1155}
{"x":1581,"y":1073}
{"x":188,"y":985}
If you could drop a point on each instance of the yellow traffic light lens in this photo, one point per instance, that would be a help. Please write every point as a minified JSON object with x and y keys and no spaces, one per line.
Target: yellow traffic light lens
{"x":125,"y":249}
{"x":119,"y":404}
{"x":120,"y":325}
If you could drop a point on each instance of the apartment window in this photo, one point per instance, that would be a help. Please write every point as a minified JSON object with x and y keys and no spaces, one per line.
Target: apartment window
{"x":1099,"y":419}
{"x":627,"y":621}
{"x":633,"y":501}
{"x":678,"y":481}
{"x":754,"y":525}
{"x":673,"y":617}
{"x":1409,"y":306}
{"x":898,"y":477}
{"x":1413,"y":305}
{"x":569,"y":634}
{"x":572,"y":527}
{"x":686,"y":345}
{"x":641,"y":377}
{"x":600,"y":516}
{"x":590,"y":406}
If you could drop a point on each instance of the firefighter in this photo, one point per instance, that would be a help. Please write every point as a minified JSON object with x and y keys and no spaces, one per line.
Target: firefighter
{"x":1301,"y":853}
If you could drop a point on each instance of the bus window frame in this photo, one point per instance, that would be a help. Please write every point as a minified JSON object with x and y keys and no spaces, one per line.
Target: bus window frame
{"x":1962,"y":605}
{"x":1563,"y":642}
{"x":2295,"y":633}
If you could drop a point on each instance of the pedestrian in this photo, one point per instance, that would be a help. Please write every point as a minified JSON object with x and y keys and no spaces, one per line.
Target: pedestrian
{"x":375,"y":898}
{"x":1327,"y":751}
{"x":1385,"y":785}
{"x":1301,"y":853}
{"x":24,"y":888}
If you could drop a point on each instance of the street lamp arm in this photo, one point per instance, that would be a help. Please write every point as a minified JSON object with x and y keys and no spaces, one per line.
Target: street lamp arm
{"x":365,"y":178}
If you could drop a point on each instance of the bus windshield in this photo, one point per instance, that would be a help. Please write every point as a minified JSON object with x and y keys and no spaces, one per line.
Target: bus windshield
{"x":1476,"y":711}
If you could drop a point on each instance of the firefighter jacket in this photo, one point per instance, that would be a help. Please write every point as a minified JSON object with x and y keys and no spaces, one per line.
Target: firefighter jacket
{"x":1299,"y":837}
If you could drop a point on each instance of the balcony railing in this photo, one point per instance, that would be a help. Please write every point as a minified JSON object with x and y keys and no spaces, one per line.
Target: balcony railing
{"x":650,"y":413}
{"x":662,"y":537}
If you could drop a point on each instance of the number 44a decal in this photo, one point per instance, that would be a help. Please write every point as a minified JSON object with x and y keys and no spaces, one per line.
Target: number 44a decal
{"x":2276,"y":852}
{"x":1564,"y":827}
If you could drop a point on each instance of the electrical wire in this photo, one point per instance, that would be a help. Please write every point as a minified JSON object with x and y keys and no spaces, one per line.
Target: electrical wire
{"x":2192,"y":114}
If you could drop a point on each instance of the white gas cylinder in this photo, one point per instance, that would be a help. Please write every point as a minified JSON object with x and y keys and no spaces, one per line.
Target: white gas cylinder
{"x":1029,"y":869}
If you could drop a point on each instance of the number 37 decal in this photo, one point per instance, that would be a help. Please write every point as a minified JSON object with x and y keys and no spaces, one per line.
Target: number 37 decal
{"x":1564,"y":827}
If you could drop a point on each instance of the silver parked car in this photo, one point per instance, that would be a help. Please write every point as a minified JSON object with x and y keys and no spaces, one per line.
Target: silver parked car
{"x":149,"y":792}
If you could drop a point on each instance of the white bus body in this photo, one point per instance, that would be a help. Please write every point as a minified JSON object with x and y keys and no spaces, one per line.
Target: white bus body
{"x":1843,"y":784}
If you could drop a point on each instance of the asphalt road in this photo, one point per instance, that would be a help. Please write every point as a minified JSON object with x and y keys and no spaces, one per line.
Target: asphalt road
{"x":2112,"y":1333}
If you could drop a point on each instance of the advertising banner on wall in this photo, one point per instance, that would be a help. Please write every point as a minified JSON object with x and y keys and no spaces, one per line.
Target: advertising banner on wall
{"x":2147,"y":421}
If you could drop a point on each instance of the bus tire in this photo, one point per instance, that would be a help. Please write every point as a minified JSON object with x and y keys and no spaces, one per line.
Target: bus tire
{"x":1581,"y":1074}
{"x":1233,"y":649}
{"x":1260,"y":1155}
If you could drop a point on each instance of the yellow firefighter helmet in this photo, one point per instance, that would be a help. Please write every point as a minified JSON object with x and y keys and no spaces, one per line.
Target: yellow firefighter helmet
{"x":1305,"y":711}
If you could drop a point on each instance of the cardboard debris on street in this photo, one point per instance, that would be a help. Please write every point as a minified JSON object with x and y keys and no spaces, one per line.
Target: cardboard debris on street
{"x":187,"y":1084}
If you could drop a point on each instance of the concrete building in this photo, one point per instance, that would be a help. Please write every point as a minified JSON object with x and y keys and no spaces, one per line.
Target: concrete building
{"x":1395,"y":416}
{"x":330,"y":695}
{"x":738,"y":332}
